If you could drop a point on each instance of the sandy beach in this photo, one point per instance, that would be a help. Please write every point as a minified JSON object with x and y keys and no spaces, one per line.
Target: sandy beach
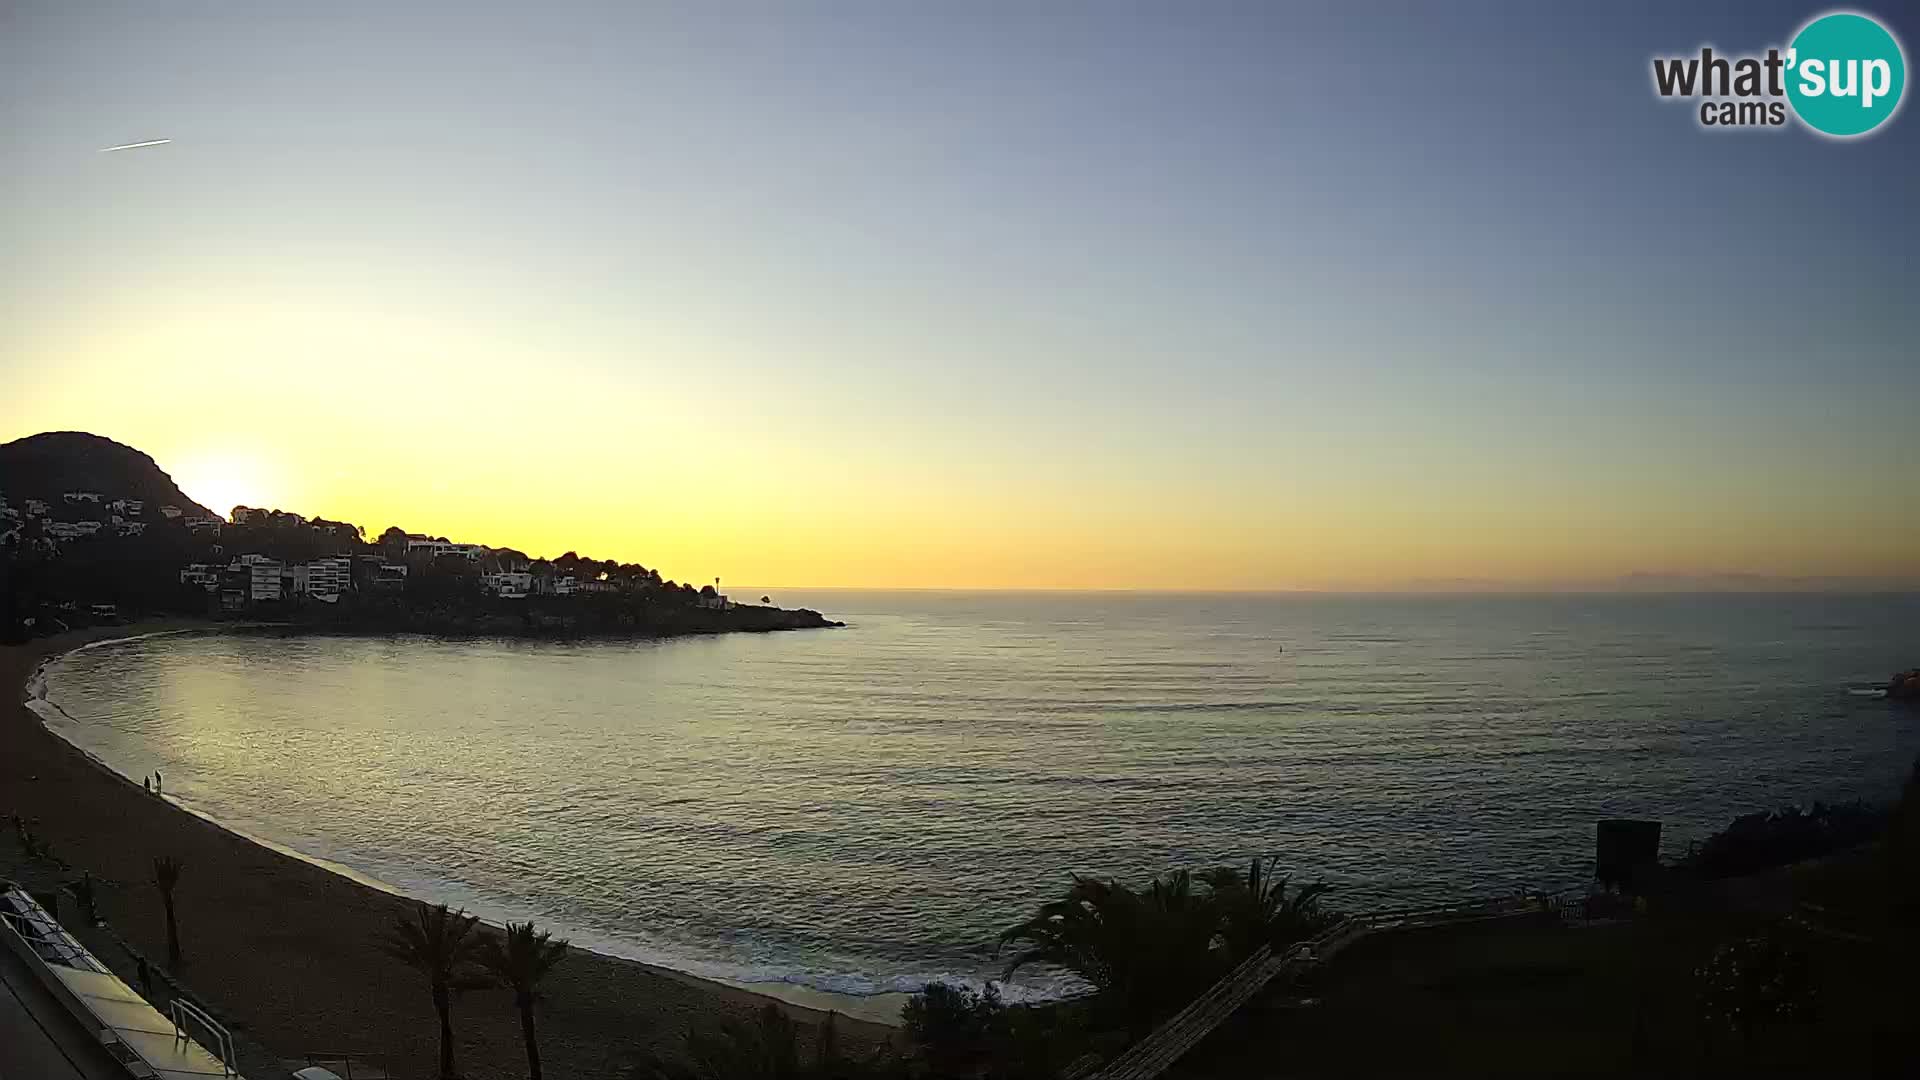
{"x":286,"y":948}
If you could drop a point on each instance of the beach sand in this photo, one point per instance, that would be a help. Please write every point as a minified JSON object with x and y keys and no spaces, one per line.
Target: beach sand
{"x":286,"y":948}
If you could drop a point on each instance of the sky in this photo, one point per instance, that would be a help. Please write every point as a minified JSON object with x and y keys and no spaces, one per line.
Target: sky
{"x":1086,"y":295}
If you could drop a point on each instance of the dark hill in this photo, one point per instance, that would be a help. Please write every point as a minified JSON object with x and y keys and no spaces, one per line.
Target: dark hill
{"x":46,"y":465}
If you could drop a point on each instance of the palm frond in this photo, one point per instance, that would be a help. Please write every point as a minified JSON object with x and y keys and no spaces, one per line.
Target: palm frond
{"x":435,"y":941}
{"x":521,"y":957}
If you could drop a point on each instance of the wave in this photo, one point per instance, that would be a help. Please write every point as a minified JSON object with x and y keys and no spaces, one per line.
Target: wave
{"x":495,"y":910}
{"x":412,"y":883}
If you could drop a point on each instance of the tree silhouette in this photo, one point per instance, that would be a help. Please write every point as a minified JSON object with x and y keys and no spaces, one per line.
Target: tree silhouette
{"x":166,"y":875}
{"x":1146,"y":952}
{"x":440,"y":945}
{"x":519,"y":962}
{"x":1255,"y":908}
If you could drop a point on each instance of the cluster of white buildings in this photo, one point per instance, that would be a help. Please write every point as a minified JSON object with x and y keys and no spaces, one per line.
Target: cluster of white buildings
{"x":255,"y":578}
{"x":105,"y":517}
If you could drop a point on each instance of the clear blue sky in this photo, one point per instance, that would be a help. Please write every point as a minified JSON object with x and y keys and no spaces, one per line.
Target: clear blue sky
{"x":1225,"y":295}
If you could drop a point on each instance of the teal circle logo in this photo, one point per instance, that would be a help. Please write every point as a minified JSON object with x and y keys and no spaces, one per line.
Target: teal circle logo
{"x":1845,"y":74}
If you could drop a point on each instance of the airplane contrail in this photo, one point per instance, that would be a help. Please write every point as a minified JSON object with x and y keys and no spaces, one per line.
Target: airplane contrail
{"x":134,"y":145}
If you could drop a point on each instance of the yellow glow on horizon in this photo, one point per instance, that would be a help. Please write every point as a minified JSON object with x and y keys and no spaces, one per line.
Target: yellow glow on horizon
{"x":221,"y":480}
{"x":654,"y":443}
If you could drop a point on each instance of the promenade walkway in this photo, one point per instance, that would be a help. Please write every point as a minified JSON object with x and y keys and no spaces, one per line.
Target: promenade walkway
{"x":39,"y":1038}
{"x":57,"y":988}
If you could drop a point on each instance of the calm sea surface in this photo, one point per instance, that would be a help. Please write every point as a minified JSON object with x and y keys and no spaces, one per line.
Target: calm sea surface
{"x":857,"y":810}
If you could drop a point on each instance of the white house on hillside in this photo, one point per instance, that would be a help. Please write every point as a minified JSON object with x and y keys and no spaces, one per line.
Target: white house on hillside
{"x":263,"y":576}
{"x":508,"y":583}
{"x":326,"y":577}
{"x":427,"y":545}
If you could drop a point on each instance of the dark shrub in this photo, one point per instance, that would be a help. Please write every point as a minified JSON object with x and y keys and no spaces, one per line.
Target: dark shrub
{"x":953,"y":1026}
{"x":1754,"y":985}
{"x":1762,"y":841}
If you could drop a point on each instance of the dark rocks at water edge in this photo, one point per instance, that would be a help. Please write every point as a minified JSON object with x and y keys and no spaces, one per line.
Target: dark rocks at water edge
{"x":1904,"y":686}
{"x":553,"y":621}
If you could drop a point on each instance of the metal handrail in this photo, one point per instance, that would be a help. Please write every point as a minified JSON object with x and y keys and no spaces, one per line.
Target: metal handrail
{"x":223,"y":1039}
{"x":35,"y":932}
{"x":48,"y":931}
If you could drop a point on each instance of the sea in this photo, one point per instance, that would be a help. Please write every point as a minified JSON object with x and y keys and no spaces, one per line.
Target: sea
{"x":861,"y":810}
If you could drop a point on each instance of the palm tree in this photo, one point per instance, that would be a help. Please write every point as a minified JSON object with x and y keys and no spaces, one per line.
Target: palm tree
{"x":440,"y":945}
{"x":166,"y":875}
{"x":1145,"y":952}
{"x":519,"y":962}
{"x":1255,"y":908}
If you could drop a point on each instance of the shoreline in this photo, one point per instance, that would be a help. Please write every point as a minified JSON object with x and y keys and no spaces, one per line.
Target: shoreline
{"x":882,"y":1008}
{"x":293,"y":926}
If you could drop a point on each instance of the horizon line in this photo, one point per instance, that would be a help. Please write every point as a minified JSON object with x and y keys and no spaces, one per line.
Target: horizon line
{"x":1866,"y":587}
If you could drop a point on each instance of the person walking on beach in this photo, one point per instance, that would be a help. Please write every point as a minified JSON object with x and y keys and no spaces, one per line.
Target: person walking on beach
{"x":156,"y":780}
{"x":147,"y":782}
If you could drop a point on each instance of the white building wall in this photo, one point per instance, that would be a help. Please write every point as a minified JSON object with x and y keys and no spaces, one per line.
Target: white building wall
{"x":329,"y":577}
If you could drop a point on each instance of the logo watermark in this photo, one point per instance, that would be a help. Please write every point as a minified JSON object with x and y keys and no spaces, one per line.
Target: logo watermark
{"x":1843,"y":75}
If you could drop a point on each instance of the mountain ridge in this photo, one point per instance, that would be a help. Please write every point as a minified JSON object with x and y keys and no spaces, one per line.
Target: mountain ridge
{"x":51,"y":463}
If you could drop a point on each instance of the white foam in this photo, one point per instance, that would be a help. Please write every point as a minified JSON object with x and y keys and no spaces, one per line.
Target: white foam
{"x":410,"y":882}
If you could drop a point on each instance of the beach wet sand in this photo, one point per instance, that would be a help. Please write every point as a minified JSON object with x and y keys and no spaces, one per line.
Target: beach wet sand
{"x":287,"y":949}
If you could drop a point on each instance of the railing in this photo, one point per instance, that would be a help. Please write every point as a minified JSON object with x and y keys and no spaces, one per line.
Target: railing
{"x":43,"y":939}
{"x":48,"y":939}
{"x":180,"y":1010}
{"x":1187,"y":1027}
{"x":1151,"y":1056}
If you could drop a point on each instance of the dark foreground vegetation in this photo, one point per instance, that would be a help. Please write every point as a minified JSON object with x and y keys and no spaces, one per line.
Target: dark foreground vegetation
{"x":1785,"y":943}
{"x":1142,"y":952}
{"x":1799,"y":963}
{"x":1762,"y":841}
